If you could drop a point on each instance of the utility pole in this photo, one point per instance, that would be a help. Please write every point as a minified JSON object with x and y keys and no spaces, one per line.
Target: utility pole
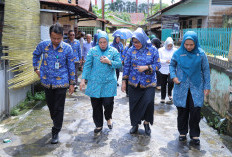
{"x":147,"y":8}
{"x":136,"y":6}
{"x":103,"y":14}
{"x":160,"y":4}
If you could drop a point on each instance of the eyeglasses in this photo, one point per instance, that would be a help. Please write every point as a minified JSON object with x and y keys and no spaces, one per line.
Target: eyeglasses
{"x":71,"y":34}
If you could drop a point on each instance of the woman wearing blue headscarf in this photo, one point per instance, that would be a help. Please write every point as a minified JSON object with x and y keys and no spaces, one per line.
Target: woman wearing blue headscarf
{"x":142,"y":60}
{"x":189,"y":69}
{"x":119,"y":46}
{"x":99,"y":70}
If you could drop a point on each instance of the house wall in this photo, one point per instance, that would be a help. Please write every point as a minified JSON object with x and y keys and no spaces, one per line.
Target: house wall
{"x":220,"y":97}
{"x":216,"y":13}
{"x":90,"y":23}
{"x":191,"y":8}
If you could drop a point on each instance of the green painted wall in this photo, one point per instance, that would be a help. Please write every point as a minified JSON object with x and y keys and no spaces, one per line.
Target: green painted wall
{"x":220,"y":92}
{"x":191,"y":7}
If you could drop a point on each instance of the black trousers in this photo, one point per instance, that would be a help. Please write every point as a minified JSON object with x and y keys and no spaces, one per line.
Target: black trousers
{"x":97,"y":104}
{"x":189,"y":116}
{"x":158,"y":78}
{"x":117,"y":73}
{"x":55,"y":100}
{"x":76,"y":71}
{"x":165,"y":79}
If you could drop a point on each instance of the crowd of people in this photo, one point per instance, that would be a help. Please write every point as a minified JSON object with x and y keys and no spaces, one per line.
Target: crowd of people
{"x":146,"y":66}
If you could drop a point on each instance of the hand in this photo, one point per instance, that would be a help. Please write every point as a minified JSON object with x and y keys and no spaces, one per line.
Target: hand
{"x":167,"y":61}
{"x":176,"y":81}
{"x":142,"y":68}
{"x":38,"y":72}
{"x":104,"y":59}
{"x":123,"y":88}
{"x":71,"y":89}
{"x":206,"y":92}
{"x":82,"y":84}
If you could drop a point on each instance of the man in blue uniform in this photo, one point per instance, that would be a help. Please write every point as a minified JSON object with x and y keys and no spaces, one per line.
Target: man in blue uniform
{"x":75,"y":44}
{"x":57,"y":73}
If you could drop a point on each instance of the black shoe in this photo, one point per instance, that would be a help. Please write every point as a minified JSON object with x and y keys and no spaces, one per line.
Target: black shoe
{"x":96,"y":130}
{"x":147,"y":129}
{"x":134,"y":129}
{"x":195,"y":141}
{"x":110,"y":126}
{"x":55,"y":138}
{"x":182,"y":138}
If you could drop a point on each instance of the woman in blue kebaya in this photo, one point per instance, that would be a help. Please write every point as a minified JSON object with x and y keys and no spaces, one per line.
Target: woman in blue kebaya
{"x":189,"y":69}
{"x":99,"y":70}
{"x":142,"y":60}
{"x":119,"y":46}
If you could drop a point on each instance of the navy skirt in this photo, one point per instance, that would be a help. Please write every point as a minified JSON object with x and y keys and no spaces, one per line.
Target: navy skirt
{"x":141,"y":103}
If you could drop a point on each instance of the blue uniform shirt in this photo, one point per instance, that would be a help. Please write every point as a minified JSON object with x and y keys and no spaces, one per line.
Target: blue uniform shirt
{"x":50,"y":74}
{"x":134,"y":58}
{"x":76,"y":49}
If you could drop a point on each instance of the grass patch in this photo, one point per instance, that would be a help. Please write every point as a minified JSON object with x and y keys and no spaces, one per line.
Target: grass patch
{"x":28,"y":103}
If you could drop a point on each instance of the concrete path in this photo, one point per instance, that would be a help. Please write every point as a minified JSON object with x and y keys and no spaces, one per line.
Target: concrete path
{"x":30,"y":134}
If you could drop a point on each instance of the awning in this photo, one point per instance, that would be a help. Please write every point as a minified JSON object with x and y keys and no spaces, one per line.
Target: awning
{"x":74,"y":8}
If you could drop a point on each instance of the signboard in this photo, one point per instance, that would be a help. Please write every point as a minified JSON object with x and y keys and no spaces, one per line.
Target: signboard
{"x":171,"y":22}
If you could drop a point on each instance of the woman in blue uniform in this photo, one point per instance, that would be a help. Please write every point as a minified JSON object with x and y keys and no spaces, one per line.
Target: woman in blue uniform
{"x":189,"y":69}
{"x":142,"y":60}
{"x":99,"y":70}
{"x":119,"y":46}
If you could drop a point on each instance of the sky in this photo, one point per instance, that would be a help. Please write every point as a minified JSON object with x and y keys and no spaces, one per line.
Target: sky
{"x":139,"y":1}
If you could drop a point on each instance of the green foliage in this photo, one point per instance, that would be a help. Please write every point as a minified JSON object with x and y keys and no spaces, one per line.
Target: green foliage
{"x":28,"y":103}
{"x":125,"y":16}
{"x":98,"y":11}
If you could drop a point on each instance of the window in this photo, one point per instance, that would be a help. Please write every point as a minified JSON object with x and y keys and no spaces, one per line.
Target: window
{"x":184,"y":24}
{"x":190,"y":24}
{"x":69,"y":1}
{"x":199,"y":23}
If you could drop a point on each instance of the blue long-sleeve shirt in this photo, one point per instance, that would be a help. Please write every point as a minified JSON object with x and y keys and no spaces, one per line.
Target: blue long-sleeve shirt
{"x":102,"y":81}
{"x":134,"y":58}
{"x":180,"y":91}
{"x":76,"y":49}
{"x":50,"y":74}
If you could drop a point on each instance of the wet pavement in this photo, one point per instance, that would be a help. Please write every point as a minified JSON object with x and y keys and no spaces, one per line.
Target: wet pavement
{"x":30,"y":134}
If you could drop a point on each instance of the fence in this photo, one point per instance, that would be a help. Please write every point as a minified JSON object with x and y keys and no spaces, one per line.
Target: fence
{"x":214,"y":41}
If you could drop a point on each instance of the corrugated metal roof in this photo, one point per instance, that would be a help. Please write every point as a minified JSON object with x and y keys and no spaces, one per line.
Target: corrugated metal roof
{"x":70,"y":7}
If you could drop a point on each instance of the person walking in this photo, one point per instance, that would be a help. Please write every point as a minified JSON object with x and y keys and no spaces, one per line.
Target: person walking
{"x":57,"y":73}
{"x":142,"y":60}
{"x":157,"y":43}
{"x":99,"y":70}
{"x":88,"y":44}
{"x":165,"y":54}
{"x":75,"y":44}
{"x":189,"y":69}
{"x":119,"y":46}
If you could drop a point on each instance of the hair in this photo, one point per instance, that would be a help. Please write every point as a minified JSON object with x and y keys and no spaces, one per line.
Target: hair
{"x":89,"y":35}
{"x":70,"y":31}
{"x":56,"y":28}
